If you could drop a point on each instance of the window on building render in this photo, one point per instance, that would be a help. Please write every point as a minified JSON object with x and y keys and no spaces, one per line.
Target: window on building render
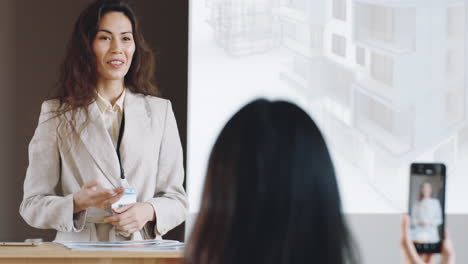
{"x":455,"y":21}
{"x":381,"y":23}
{"x":339,"y":45}
{"x":339,"y":9}
{"x":382,"y":69}
{"x":360,"y":56}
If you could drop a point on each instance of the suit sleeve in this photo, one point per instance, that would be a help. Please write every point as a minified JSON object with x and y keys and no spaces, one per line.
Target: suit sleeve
{"x":41,"y":206}
{"x":170,"y":202}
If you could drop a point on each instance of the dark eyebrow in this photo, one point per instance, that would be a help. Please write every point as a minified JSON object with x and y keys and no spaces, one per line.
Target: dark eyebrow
{"x":108,"y":31}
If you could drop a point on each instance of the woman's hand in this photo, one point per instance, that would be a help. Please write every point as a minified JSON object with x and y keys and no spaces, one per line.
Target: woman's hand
{"x":423,"y":223}
{"x":91,"y":196}
{"x":410,"y":254}
{"x":132,"y":218}
{"x":448,"y":252}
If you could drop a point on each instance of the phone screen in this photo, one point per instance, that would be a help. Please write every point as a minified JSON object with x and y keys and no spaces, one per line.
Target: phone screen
{"x":427,"y":206}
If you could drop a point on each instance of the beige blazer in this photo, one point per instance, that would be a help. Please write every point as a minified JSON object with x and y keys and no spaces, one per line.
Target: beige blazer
{"x":60,"y":163}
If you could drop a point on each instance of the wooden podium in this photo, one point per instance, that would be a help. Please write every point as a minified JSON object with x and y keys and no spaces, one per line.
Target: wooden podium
{"x":52,"y":253}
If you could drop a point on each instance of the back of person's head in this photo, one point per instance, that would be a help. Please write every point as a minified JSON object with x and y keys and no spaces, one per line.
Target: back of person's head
{"x":270,"y":193}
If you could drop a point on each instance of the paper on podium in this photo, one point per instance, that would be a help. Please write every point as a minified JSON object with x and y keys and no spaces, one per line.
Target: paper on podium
{"x":130,"y":245}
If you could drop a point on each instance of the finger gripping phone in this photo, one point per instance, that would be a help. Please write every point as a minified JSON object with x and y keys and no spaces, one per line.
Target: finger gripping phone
{"x":427,"y":206}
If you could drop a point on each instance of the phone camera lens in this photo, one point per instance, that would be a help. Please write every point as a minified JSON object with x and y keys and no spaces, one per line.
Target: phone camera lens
{"x":429,"y":171}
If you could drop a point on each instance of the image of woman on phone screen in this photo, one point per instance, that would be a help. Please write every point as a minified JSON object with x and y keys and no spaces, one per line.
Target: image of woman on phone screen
{"x":426,"y":216}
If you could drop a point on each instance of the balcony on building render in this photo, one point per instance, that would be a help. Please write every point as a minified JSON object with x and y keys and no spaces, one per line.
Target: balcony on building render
{"x":392,"y":29}
{"x":392,"y":77}
{"x":388,"y":127}
{"x":379,"y":88}
{"x":379,"y":76}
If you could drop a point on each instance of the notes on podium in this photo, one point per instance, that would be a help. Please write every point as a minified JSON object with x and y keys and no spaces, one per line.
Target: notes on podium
{"x":130,"y":245}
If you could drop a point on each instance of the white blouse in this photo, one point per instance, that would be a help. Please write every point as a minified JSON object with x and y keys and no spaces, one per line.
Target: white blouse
{"x":428,"y":211}
{"x":111,"y":115}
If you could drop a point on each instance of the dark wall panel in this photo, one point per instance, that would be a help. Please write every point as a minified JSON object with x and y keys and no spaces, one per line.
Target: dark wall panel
{"x":7,"y":116}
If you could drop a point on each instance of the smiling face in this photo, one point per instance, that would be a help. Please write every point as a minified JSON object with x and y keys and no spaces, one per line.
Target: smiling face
{"x":113,"y":46}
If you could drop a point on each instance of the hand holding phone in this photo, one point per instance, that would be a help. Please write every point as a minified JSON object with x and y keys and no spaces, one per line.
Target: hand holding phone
{"x":427,"y":206}
{"x":411,"y":256}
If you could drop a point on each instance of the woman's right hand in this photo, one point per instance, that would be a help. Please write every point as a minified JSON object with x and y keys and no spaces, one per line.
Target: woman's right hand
{"x":91,"y":196}
{"x":409,"y":250}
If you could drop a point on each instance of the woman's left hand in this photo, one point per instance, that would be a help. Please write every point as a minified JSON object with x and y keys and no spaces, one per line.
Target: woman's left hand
{"x":131,"y":218}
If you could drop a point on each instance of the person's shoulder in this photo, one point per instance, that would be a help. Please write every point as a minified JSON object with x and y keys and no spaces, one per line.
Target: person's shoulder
{"x":153,"y":99}
{"x":154,"y":102}
{"x":50,"y":105}
{"x":50,"y":110}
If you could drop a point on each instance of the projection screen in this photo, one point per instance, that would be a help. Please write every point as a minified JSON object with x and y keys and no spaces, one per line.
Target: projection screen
{"x":385,"y":80}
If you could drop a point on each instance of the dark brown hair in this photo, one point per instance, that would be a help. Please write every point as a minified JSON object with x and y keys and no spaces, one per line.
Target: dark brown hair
{"x":78,"y":74}
{"x":270,"y":194}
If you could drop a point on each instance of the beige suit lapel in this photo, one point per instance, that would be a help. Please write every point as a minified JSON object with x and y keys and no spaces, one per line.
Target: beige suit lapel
{"x":99,"y":144}
{"x":137,"y":129}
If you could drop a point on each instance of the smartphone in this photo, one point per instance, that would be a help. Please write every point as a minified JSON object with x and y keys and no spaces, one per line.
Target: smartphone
{"x":427,"y":206}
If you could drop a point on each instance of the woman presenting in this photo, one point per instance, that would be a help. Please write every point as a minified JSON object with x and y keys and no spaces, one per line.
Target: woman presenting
{"x":103,"y":133}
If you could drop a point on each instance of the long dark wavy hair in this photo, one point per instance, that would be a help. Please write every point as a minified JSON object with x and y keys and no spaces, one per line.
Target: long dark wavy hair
{"x":270,"y":194}
{"x":78,"y":73}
